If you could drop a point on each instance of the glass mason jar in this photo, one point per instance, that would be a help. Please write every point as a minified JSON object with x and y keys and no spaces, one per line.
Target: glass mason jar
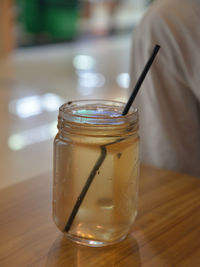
{"x":96,"y":166}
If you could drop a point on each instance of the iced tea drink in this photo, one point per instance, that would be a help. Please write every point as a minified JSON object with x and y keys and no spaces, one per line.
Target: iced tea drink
{"x":109,"y":207}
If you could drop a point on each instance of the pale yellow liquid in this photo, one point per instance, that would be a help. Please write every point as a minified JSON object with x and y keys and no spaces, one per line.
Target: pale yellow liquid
{"x":110,"y":205}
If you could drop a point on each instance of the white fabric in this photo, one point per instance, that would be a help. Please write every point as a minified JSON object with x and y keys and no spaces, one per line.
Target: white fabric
{"x":169,"y":100}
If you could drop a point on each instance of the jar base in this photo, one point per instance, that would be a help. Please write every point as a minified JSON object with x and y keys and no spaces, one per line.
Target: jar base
{"x":92,"y":243}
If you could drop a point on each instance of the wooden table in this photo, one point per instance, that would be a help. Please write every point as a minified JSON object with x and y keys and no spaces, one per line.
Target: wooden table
{"x":166,"y":232}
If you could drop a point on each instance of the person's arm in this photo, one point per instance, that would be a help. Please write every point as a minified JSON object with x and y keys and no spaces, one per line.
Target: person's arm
{"x":168,"y":109}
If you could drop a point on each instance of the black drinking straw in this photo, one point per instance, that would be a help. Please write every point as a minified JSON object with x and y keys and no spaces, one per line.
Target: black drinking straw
{"x":103,"y":148}
{"x":141,"y":79}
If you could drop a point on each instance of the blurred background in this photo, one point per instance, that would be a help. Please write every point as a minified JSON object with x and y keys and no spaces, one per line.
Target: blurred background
{"x":53,"y":51}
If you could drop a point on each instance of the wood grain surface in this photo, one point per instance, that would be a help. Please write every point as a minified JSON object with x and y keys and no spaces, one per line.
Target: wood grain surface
{"x":166,"y":231}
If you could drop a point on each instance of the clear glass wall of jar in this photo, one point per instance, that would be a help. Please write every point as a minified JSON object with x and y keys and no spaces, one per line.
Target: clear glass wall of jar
{"x":96,"y":166}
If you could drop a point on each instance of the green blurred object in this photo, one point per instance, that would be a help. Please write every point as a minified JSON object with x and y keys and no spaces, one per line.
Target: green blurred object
{"x":55,"y":18}
{"x":30,"y":15}
{"x":60,"y":23}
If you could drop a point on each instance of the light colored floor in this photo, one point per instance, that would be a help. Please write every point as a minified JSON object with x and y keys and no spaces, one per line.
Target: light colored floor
{"x":35,"y":81}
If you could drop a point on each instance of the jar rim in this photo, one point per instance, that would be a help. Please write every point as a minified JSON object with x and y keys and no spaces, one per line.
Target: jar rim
{"x":67,"y":112}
